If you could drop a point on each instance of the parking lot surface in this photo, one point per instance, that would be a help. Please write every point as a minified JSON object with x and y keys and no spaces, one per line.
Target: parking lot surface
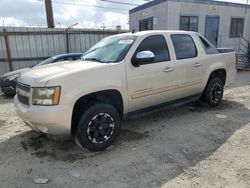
{"x":189,"y":146}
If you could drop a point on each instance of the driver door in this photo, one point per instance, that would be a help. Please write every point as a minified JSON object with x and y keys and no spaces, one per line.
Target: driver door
{"x":154,"y":82}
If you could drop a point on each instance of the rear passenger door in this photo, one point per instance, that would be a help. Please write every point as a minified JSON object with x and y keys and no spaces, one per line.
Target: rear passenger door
{"x":151,"y":83}
{"x":189,"y":67}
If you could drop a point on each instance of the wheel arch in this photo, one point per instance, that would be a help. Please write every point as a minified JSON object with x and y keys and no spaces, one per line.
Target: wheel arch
{"x":111,"y":96}
{"x":220,"y":73}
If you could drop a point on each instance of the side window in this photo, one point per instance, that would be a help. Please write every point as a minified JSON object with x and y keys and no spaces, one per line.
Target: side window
{"x":62,"y":59}
{"x":146,"y":24}
{"x":184,"y":46}
{"x":76,"y":58}
{"x":209,"y":49}
{"x":67,"y":59}
{"x":59,"y":60}
{"x":156,"y":44}
{"x":237,"y":27}
{"x":189,"y":23}
{"x":205,"y":43}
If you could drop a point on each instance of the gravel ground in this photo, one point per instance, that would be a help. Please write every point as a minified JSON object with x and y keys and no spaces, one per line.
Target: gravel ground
{"x":190,"y":146}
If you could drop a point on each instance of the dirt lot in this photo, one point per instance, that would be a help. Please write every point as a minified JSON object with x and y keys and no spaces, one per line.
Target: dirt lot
{"x":190,"y":146}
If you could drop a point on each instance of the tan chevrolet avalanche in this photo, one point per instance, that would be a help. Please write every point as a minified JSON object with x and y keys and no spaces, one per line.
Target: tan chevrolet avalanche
{"x":119,"y":76}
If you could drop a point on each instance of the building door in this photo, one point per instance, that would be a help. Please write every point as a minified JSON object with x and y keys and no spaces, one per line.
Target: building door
{"x":212,"y":29}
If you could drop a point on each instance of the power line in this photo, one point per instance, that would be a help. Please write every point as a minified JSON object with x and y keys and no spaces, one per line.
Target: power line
{"x":123,"y":3}
{"x":93,"y":6}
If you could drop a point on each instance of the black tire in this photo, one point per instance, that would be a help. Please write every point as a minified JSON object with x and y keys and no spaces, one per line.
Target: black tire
{"x":97,"y":120}
{"x":213,"y":92}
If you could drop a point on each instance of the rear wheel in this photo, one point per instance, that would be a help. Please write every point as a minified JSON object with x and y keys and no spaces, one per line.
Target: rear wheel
{"x":98,"y":127}
{"x":213,"y":93}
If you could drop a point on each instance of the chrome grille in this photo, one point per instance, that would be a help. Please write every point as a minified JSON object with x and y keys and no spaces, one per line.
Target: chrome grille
{"x":23,"y":93}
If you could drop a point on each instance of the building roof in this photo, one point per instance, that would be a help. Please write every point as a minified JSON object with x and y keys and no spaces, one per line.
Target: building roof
{"x":208,"y":2}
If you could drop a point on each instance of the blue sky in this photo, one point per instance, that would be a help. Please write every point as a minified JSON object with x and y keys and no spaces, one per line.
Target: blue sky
{"x":67,"y":12}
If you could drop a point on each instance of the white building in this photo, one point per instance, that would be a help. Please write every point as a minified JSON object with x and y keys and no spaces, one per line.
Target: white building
{"x":223,"y":24}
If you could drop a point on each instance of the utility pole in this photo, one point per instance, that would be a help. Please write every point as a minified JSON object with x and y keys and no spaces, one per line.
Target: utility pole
{"x":49,"y":14}
{"x":103,"y":26}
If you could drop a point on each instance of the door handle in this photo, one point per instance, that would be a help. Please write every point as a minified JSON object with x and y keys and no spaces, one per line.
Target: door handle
{"x":196,"y":65}
{"x":168,"y":69}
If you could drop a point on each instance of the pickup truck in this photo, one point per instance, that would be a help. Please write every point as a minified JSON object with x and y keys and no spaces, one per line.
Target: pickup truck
{"x":119,"y":76}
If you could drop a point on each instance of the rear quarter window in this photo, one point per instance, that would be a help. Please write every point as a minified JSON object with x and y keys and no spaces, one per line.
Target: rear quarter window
{"x":184,"y":46}
{"x":208,"y":48}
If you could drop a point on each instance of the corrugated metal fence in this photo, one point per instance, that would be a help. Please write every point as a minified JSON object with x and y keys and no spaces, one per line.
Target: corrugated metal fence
{"x":25,"y":47}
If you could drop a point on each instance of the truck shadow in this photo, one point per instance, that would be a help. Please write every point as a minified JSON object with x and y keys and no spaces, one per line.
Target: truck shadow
{"x":41,"y":146}
{"x":163,"y":143}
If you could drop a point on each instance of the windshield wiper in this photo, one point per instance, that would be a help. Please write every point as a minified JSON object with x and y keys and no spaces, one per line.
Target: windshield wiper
{"x":93,"y":59}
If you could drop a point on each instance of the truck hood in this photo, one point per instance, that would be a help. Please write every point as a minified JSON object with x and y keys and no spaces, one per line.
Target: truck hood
{"x":39,"y":76}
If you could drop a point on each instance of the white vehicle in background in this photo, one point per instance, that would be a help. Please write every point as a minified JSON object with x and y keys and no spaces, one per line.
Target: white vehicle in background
{"x":119,"y":76}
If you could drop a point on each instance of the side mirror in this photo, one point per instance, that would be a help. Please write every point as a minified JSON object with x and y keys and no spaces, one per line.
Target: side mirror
{"x":143,"y":57}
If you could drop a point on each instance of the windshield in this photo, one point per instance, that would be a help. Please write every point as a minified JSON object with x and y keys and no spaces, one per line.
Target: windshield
{"x":46,"y":61}
{"x":110,"y":49}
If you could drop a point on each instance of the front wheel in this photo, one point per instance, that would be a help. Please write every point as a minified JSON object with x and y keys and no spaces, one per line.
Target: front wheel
{"x":213,"y":93}
{"x":98,"y":127}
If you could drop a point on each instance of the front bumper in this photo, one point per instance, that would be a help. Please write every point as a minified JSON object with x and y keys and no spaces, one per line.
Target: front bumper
{"x":53,"y":120}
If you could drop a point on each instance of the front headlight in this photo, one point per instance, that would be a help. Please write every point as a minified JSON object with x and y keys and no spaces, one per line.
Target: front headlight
{"x":12,"y":77}
{"x":46,"y":96}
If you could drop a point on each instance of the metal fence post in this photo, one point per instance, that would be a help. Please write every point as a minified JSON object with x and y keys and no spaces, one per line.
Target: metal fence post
{"x":67,"y":40}
{"x":248,"y":52}
{"x":6,"y":39}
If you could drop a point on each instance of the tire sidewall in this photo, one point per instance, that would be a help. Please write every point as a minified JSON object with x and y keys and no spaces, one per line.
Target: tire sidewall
{"x":81,"y":133}
{"x":208,"y":94}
